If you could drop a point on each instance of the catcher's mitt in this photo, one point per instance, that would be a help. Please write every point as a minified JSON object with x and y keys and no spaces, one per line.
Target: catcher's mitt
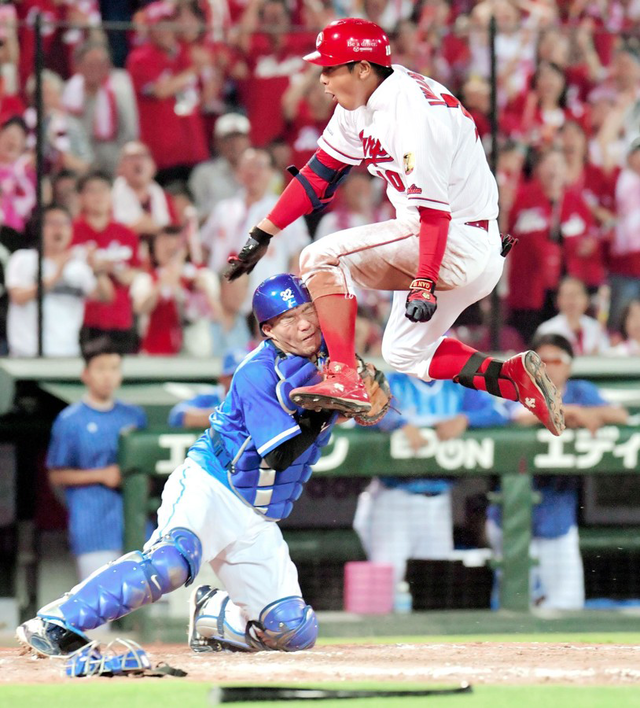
{"x":379,"y":393}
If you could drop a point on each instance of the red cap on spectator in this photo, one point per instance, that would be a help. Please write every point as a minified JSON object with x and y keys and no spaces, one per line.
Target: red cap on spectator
{"x":351,"y":39}
{"x":158,"y":11}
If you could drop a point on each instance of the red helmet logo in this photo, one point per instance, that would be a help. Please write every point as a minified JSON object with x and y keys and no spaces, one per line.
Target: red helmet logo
{"x":344,"y":41}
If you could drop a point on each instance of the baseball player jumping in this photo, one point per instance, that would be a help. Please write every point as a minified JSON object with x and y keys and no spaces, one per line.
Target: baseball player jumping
{"x":440,"y":254}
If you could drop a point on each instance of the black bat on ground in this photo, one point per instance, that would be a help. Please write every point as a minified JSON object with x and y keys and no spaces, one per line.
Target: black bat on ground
{"x":238,"y":694}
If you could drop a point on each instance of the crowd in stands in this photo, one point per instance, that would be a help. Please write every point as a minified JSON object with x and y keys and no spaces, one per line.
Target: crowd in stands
{"x":165,"y":143}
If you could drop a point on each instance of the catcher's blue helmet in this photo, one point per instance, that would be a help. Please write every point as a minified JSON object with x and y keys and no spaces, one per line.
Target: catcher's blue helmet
{"x":278,"y":294}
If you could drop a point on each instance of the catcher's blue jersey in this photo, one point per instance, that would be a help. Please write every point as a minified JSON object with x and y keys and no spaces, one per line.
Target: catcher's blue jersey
{"x":250,"y":423}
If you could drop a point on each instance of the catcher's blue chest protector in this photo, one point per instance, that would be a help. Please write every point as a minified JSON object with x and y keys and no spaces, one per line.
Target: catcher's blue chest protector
{"x":251,"y":422}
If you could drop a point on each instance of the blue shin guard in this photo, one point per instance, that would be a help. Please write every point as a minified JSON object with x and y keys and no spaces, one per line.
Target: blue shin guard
{"x":135,"y":579}
{"x":288,"y":624}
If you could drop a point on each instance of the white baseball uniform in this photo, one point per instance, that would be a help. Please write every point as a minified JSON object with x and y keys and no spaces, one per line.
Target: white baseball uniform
{"x":417,"y":137}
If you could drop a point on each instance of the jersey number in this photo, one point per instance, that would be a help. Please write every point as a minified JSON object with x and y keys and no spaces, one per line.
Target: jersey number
{"x":393,"y":178}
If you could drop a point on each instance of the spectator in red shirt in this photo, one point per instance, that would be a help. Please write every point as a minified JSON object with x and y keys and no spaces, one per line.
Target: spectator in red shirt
{"x":573,"y":51}
{"x":58,"y":43}
{"x":166,"y":85}
{"x":159,"y":294}
{"x":113,"y":248}
{"x":449,"y":53}
{"x":537,"y":114}
{"x":272,"y":56}
{"x":307,"y":110}
{"x":596,"y":186}
{"x":555,"y":229}
{"x":213,"y":59}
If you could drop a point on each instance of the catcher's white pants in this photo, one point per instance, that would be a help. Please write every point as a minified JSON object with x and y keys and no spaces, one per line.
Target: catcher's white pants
{"x":557,"y":581}
{"x":247,"y":552}
{"x":385,"y":256}
{"x":395,"y":525}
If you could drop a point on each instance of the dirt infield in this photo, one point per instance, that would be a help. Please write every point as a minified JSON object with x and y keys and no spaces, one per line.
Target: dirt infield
{"x":479,"y":663}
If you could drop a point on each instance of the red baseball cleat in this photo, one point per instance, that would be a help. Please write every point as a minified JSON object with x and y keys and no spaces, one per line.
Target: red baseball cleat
{"x":535,"y":389}
{"x":341,"y":390}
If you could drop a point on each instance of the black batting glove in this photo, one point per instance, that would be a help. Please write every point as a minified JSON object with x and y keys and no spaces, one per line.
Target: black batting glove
{"x":421,"y":301}
{"x":254,"y":248}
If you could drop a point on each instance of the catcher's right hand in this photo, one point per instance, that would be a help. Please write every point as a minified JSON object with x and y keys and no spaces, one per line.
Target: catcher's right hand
{"x":252,"y":251}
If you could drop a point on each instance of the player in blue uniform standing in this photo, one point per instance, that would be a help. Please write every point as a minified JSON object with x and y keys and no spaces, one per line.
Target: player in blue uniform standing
{"x":244,"y":473}
{"x":557,"y":581}
{"x":398,"y":518}
{"x":82,"y":459}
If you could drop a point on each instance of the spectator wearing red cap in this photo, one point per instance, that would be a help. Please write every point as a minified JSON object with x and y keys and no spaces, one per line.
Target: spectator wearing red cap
{"x":165,"y":82}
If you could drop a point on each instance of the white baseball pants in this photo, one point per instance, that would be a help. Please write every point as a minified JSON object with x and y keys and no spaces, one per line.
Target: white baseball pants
{"x":384,"y":256}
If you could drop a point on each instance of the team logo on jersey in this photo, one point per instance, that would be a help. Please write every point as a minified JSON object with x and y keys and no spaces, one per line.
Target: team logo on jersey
{"x":409,"y":162}
{"x":288,"y":296}
{"x":413,"y":189}
{"x":373,"y":150}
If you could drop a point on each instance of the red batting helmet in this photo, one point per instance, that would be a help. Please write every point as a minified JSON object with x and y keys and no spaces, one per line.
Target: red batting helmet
{"x":351,"y":39}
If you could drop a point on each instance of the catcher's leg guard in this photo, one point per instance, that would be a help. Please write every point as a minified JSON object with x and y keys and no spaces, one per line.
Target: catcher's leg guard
{"x":288,"y":624}
{"x":135,"y":579}
{"x":218,"y":625}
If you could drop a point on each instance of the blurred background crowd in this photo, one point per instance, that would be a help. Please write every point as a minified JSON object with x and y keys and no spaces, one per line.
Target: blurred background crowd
{"x":168,"y":138}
